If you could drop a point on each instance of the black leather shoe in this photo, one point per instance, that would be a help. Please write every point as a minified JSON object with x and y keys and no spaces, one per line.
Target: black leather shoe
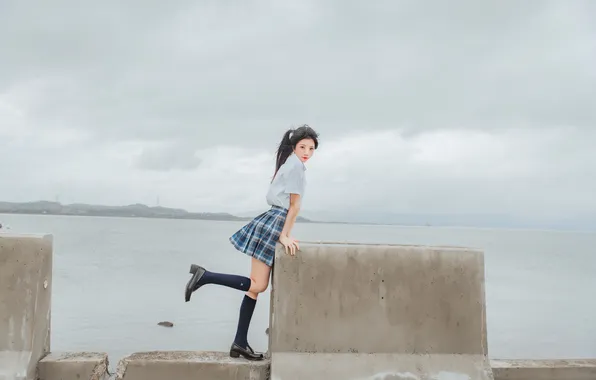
{"x":197,"y":273}
{"x":248,"y":353}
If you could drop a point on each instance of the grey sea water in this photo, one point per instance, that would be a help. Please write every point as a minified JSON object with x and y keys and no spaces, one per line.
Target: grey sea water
{"x":116,"y":278}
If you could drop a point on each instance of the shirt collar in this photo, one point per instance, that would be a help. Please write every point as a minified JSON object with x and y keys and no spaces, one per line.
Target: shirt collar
{"x":298,"y":161}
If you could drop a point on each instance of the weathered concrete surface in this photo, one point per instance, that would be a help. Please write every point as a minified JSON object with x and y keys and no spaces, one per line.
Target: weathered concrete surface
{"x":185,"y":365}
{"x":421,"y":304}
{"x":25,"y":303}
{"x":74,"y":366}
{"x":376,"y":367}
{"x":556,"y":369}
{"x":352,"y":298}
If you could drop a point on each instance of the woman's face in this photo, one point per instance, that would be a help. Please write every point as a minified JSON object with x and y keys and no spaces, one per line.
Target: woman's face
{"x":305,"y":149}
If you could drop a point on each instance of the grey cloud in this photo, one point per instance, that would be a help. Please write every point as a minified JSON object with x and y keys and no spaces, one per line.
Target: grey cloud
{"x":219,"y":72}
{"x":168,"y":157}
{"x":93,"y":84}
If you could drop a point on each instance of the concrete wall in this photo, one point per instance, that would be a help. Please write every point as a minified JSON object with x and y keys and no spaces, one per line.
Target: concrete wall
{"x":338,"y":312}
{"x":555,"y":369}
{"x":183,"y":365}
{"x":218,"y":366}
{"x":25,"y":300}
{"x":387,"y":309}
{"x":74,"y":366}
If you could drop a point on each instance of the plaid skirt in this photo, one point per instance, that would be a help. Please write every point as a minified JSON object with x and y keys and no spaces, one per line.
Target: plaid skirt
{"x":259,"y":237}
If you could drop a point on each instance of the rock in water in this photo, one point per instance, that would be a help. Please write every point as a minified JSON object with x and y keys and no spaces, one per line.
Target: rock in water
{"x":166,"y":324}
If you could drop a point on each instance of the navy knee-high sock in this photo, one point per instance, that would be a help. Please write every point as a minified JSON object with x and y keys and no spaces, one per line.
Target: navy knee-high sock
{"x":246,"y":310}
{"x":229,"y":280}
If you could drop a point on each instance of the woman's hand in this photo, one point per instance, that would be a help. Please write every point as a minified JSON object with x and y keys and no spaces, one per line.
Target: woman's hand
{"x":289,"y":244}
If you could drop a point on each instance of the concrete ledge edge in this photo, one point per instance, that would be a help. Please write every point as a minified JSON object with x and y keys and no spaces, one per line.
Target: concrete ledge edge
{"x":354,"y":244}
{"x":20,"y":235}
{"x":542,"y":363}
{"x":59,"y":356}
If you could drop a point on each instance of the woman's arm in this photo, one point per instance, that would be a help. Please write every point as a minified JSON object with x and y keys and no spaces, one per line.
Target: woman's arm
{"x":284,"y":237}
{"x":292,"y":214}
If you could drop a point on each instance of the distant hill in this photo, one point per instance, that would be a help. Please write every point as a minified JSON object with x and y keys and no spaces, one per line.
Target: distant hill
{"x":351,"y":216}
{"x":133,"y":211}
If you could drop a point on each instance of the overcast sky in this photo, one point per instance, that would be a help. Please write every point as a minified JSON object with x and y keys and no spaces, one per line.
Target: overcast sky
{"x":435,"y":107}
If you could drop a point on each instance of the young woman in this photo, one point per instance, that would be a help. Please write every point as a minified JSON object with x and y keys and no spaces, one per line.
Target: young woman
{"x":258,"y":238}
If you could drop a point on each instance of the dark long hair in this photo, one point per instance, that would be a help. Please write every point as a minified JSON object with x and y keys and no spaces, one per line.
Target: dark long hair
{"x":289,"y":141}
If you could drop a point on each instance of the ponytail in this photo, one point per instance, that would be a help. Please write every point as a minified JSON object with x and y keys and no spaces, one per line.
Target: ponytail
{"x":283,"y":151}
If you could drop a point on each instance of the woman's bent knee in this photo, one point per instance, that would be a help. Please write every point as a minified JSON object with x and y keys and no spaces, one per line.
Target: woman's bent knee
{"x":255,"y":290}
{"x":258,"y":287}
{"x":252,"y":295}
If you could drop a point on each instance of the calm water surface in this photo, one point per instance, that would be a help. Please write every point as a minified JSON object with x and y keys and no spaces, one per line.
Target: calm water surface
{"x":115,"y":278}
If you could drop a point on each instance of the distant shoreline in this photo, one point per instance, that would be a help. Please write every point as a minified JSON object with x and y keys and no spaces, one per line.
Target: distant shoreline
{"x":122,"y":216}
{"x":157,"y":212}
{"x":129,"y":211}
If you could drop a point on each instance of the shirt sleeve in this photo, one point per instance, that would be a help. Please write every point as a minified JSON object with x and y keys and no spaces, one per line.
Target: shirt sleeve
{"x":294,"y":181}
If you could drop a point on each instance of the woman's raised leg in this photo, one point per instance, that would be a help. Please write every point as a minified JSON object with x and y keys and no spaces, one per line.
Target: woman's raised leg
{"x":201,"y":276}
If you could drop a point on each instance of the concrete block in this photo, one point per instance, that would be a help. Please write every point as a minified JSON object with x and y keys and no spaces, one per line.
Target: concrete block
{"x":379,"y":299}
{"x":378,"y":311}
{"x":555,"y":369}
{"x":187,"y":365}
{"x":74,"y":366}
{"x":25,"y":303}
